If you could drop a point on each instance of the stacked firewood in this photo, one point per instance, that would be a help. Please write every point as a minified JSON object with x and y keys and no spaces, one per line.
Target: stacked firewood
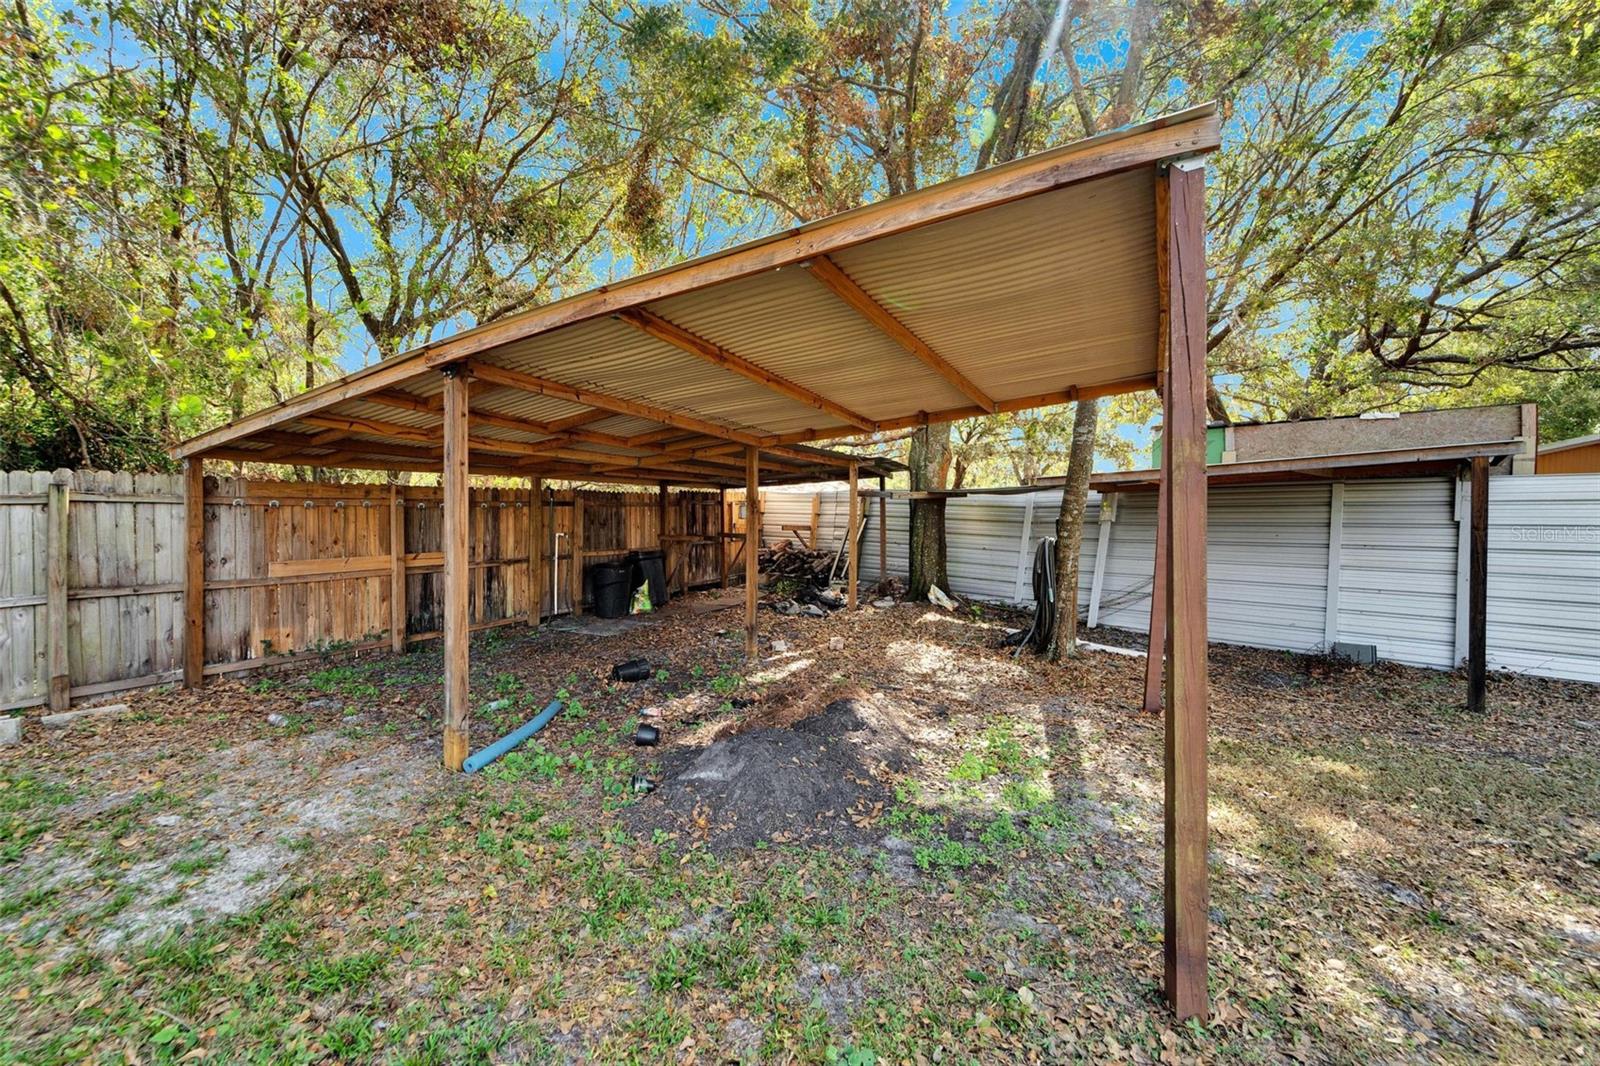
{"x":788,"y":560}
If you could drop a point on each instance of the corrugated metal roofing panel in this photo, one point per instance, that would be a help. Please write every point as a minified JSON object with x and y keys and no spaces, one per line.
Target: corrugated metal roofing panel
{"x":1065,"y":279}
{"x":786,"y":322}
{"x":618,"y":360}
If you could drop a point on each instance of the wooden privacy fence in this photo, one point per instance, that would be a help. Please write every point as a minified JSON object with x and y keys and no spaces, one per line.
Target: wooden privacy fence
{"x":92,"y":568}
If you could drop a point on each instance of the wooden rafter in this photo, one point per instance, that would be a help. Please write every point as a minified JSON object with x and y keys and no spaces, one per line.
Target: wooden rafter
{"x":516,"y":379}
{"x":955,"y":414}
{"x":843,"y":286}
{"x":378,"y":428}
{"x":648,"y":322}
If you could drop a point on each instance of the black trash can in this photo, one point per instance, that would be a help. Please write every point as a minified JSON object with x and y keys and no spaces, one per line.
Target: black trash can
{"x":650,"y":567}
{"x":612,"y":588}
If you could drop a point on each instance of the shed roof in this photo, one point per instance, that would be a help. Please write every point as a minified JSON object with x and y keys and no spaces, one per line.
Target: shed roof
{"x":1030,"y":283}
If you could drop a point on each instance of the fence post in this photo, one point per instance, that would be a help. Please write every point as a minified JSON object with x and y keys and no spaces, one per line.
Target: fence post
{"x":57,"y":500}
{"x":535,"y":550}
{"x":397,"y":570}
{"x":194,"y":572}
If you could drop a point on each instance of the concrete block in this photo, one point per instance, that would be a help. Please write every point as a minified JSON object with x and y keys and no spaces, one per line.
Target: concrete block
{"x":10,"y":730}
{"x":66,"y":718}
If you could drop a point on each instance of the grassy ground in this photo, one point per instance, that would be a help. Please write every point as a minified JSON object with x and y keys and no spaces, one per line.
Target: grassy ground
{"x":1392,"y":880}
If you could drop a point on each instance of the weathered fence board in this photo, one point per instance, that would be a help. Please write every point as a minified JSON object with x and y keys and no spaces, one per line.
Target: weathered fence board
{"x":290,"y":568}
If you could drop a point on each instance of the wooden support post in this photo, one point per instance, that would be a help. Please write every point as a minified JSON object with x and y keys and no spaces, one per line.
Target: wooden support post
{"x":397,"y":570}
{"x":854,"y":569}
{"x":722,"y":541}
{"x":752,"y":545}
{"x":1478,"y":590}
{"x":194,"y":572}
{"x":57,"y":501}
{"x":883,"y":530}
{"x":535,"y":551}
{"x":1156,"y":646}
{"x":1184,"y":465}
{"x":575,"y":562}
{"x":457,"y":571}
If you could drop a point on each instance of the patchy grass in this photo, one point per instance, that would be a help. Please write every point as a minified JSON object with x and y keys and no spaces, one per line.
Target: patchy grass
{"x":1391,"y":878}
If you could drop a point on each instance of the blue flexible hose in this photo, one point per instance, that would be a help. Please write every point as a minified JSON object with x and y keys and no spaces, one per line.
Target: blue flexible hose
{"x":478,"y":761}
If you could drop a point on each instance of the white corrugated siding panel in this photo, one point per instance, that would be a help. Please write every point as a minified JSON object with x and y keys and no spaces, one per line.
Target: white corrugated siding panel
{"x":984,"y":532}
{"x":1544,"y":575}
{"x":1130,"y":563}
{"x":1267,"y":565}
{"x":1397,"y":575}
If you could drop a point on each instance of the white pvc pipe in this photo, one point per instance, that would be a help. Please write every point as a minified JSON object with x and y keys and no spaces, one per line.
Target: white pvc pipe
{"x":555,"y":576}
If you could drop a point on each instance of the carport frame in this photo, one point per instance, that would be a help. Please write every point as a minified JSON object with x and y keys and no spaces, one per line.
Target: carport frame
{"x":1170,"y":146}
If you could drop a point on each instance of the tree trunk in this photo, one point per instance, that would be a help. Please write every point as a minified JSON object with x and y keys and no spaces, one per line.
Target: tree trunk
{"x":1069,"y":529}
{"x":930,"y":449}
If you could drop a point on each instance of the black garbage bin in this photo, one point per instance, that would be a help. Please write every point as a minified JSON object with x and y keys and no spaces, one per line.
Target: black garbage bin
{"x":650,"y":567}
{"x":612,"y":588}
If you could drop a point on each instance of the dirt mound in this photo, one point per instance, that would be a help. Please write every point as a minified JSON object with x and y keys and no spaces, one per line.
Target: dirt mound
{"x":821,"y":775}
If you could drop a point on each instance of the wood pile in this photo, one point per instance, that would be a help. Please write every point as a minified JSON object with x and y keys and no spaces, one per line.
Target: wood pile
{"x":787,"y":560}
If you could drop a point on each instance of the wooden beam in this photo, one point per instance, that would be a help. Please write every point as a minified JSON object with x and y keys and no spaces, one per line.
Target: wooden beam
{"x":853,"y":572}
{"x":457,"y":575}
{"x":663,"y":435}
{"x":351,"y":463}
{"x":407,"y":402}
{"x":752,"y":546}
{"x":581,"y":418}
{"x":397,"y":570}
{"x":652,"y":324}
{"x":515,"y":379}
{"x":649,"y":467}
{"x":374,"y":427}
{"x":194,"y":573}
{"x":1099,"y":391}
{"x":1478,"y":590}
{"x":58,"y":497}
{"x":1186,"y":907}
{"x":535,"y":551}
{"x":844,"y":287}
